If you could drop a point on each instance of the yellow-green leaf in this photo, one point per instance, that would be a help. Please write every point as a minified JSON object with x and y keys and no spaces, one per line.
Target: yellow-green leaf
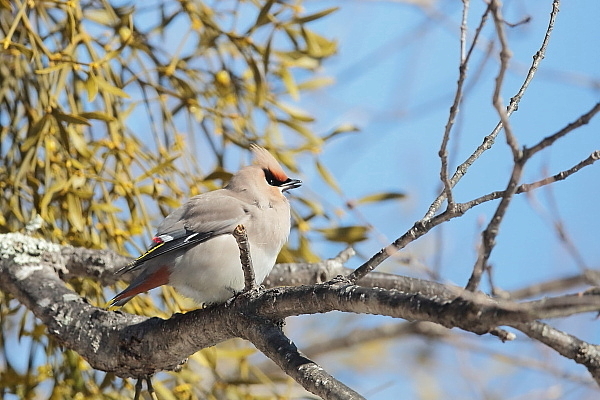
{"x":51,"y":69}
{"x":314,"y":140}
{"x":71,"y":118}
{"x":344,"y":128}
{"x":169,"y":201}
{"x":81,"y":145}
{"x":345,"y":234}
{"x":263,"y":15}
{"x":218,"y":173}
{"x":290,"y":83}
{"x":317,"y":15}
{"x":166,"y":163}
{"x":105,"y":207}
{"x":328,"y":177}
{"x":378,"y":197}
{"x":74,"y":213}
{"x":260,"y":91}
{"x":296,"y":113}
{"x":316,"y":83}
{"x":304,"y":251}
{"x":57,"y":186}
{"x":92,"y":87}
{"x":34,"y":133}
{"x":98,"y":115}
{"x":108,"y":88}
{"x":315,"y":207}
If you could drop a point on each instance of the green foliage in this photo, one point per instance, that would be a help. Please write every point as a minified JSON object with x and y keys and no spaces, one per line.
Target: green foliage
{"x":110,"y":116}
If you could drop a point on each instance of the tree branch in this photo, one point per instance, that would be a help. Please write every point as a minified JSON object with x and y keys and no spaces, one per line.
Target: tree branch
{"x":134,"y":346}
{"x":565,"y":344}
{"x":488,"y":141}
{"x":239,"y":233}
{"x":423,"y":226}
{"x":268,"y":338}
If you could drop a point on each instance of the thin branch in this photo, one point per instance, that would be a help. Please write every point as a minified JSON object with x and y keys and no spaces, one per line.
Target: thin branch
{"x":488,"y":237}
{"x":365,"y":335}
{"x":527,"y":187}
{"x":269,"y":339}
{"x":239,"y":233}
{"x":565,"y":344}
{"x":419,"y":229}
{"x":505,"y":55}
{"x":463,"y":30}
{"x":462,"y":74}
{"x":491,"y":231}
{"x":488,"y":141}
{"x":588,"y":277}
{"x":562,"y":233}
{"x":548,"y":141}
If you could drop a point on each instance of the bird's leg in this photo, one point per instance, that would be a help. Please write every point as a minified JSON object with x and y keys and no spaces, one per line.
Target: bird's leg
{"x":151,"y":388}
{"x":138,"y":388}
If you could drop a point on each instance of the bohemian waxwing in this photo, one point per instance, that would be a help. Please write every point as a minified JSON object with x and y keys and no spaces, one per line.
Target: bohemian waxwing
{"x":194,"y":249}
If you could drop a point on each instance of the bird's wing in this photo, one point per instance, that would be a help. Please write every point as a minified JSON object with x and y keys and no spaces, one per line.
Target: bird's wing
{"x":200,"y":219}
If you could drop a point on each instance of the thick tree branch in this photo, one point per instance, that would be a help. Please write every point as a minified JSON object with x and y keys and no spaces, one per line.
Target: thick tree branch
{"x":473,"y":312}
{"x":134,"y":346}
{"x":268,"y":338}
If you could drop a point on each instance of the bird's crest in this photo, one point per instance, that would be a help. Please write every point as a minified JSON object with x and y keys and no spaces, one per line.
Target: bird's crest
{"x":265,"y":160}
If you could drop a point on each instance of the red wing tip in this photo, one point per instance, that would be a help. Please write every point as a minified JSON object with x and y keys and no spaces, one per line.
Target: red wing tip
{"x":155,"y":279}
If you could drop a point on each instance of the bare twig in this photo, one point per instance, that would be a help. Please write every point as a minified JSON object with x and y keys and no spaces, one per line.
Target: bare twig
{"x":422,"y":227}
{"x":588,"y":277}
{"x":505,"y":55}
{"x":489,"y":234}
{"x":488,"y":237}
{"x":366,"y":335}
{"x":562,"y":233}
{"x":239,"y":233}
{"x":464,"y":60}
{"x":488,"y":141}
{"x":548,"y":141}
{"x":526,"y":187}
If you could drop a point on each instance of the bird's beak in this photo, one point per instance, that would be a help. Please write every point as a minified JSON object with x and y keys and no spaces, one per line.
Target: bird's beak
{"x":290,"y":184}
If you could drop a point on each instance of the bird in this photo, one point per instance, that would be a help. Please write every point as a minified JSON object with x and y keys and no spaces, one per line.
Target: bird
{"x":194,"y":249}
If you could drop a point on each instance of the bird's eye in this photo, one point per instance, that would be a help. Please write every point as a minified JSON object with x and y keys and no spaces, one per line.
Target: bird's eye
{"x":271,"y":180}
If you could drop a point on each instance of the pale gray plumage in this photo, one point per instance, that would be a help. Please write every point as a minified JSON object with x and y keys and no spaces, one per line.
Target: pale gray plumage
{"x":194,"y":250}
